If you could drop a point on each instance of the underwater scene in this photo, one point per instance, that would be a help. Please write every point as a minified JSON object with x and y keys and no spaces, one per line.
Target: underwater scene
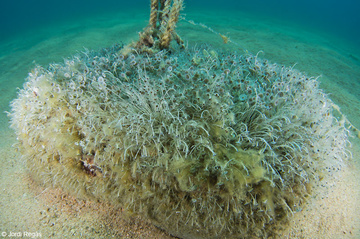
{"x":180,"y":119}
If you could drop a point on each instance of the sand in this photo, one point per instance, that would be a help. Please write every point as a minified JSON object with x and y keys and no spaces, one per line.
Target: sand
{"x":27,"y":207}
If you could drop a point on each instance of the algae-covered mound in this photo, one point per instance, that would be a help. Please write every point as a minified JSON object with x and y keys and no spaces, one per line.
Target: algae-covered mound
{"x":203,"y":143}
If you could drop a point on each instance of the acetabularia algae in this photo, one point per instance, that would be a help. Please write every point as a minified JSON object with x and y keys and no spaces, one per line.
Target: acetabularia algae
{"x":203,"y":143}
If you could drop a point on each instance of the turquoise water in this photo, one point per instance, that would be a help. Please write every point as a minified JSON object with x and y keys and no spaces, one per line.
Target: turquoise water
{"x":337,"y":17}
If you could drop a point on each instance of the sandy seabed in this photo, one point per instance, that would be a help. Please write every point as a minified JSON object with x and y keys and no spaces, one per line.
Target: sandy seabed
{"x":26,"y":207}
